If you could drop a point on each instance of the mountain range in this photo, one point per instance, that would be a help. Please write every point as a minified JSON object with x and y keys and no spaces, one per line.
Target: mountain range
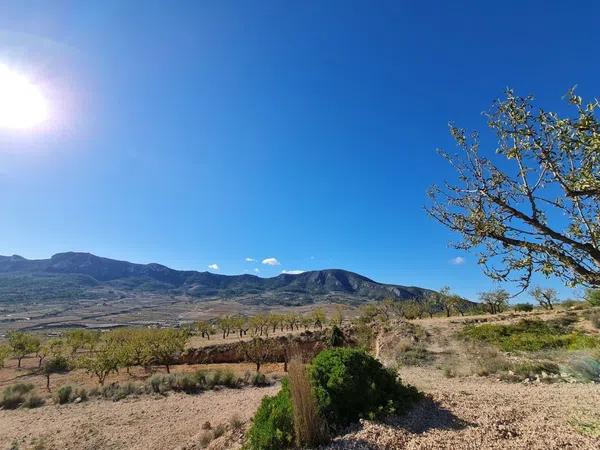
{"x":83,"y":275}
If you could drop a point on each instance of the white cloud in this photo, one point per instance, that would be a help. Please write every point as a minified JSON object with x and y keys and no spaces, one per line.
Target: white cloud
{"x":257,"y":270}
{"x":271,"y":262}
{"x":248,"y":259}
{"x":457,"y":261}
{"x":293,"y":272}
{"x":213,"y":266}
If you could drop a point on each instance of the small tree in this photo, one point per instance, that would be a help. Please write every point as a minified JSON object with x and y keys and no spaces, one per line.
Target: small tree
{"x":446,"y":300}
{"x":101,"y":363}
{"x":495,"y":301}
{"x":431,"y":304}
{"x":318,"y":316}
{"x":205,"y":328}
{"x":546,"y":297}
{"x":257,"y":351}
{"x":22,"y":344}
{"x":57,"y":364}
{"x":166,"y":345}
{"x":52,"y":348}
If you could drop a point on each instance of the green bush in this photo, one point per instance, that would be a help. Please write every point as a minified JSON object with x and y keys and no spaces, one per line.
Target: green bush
{"x":523,"y":307}
{"x":350,"y":384}
{"x":273,"y":425}
{"x":68,"y":394}
{"x":259,"y":379}
{"x":63,"y":395}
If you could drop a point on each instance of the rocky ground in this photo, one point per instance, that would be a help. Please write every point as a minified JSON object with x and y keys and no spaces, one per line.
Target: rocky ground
{"x":145,"y":423}
{"x":480,"y":413}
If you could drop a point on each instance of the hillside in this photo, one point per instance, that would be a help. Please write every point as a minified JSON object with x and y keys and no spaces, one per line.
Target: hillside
{"x":86,"y":276}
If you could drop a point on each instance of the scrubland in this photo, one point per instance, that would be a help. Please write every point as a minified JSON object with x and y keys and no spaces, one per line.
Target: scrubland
{"x":509,"y":380}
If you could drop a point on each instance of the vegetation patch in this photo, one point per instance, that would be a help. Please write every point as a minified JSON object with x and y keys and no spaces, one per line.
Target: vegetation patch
{"x":533,"y":335}
{"x":350,"y":384}
{"x":20,"y":395}
{"x":273,"y":425}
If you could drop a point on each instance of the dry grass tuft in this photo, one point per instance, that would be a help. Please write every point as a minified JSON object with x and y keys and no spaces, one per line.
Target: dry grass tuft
{"x":309,"y":427}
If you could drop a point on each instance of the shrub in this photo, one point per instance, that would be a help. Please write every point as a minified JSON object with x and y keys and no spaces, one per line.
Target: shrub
{"x":585,"y":368}
{"x":273,"y":425}
{"x":15,"y":395}
{"x":336,"y":339}
{"x":523,"y":307}
{"x":309,"y":427}
{"x":350,"y":384}
{"x":32,"y":400}
{"x":68,"y":394}
{"x":415,"y":356}
{"x":219,"y":430}
{"x":531,"y":369}
{"x":236,"y":422}
{"x":229,"y":379}
{"x":259,"y":380}
{"x":63,"y":395}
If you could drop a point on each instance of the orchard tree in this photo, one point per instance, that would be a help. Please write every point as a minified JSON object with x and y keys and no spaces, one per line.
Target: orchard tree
{"x":546,"y":297}
{"x":319,"y":318}
{"x":22,"y":344}
{"x":166,"y":345}
{"x":257,"y":351}
{"x":56,"y":364}
{"x":205,"y":328}
{"x":495,"y":301}
{"x":101,"y":363}
{"x":531,"y":204}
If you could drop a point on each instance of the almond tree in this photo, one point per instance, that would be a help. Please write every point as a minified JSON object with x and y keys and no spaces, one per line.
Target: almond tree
{"x":531,"y":203}
{"x":22,"y":344}
{"x":496,"y":301}
{"x":546,"y":297}
{"x":257,"y":350}
{"x":100,"y":363}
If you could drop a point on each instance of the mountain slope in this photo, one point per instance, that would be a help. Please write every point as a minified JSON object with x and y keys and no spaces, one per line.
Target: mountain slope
{"x":73,"y":275}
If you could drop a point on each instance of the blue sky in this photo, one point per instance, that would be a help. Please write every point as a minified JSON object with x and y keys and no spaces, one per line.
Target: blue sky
{"x":212,"y":132}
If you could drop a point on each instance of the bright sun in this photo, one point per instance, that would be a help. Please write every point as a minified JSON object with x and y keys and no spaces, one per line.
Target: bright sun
{"x":22,"y":104}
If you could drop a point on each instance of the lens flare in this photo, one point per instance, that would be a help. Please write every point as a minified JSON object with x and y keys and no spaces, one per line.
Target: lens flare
{"x":22,"y":103}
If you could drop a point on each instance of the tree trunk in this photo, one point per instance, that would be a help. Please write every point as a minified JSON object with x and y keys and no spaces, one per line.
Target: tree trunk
{"x":258,"y":366}
{"x":48,"y":382}
{"x":19,"y":362}
{"x":168,"y":368}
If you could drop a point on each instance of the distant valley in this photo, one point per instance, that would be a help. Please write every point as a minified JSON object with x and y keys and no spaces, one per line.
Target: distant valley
{"x":80,"y":289}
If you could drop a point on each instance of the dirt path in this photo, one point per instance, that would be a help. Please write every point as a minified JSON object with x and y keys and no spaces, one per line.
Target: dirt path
{"x":145,"y":423}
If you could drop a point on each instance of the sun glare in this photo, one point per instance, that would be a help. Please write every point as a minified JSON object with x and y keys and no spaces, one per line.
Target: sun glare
{"x":22,"y":103}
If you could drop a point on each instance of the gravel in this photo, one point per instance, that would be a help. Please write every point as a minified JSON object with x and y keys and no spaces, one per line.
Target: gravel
{"x":480,"y":413}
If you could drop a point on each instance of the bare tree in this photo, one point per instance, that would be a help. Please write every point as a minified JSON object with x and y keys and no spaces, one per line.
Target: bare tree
{"x":546,"y":298}
{"x":535,"y":206}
